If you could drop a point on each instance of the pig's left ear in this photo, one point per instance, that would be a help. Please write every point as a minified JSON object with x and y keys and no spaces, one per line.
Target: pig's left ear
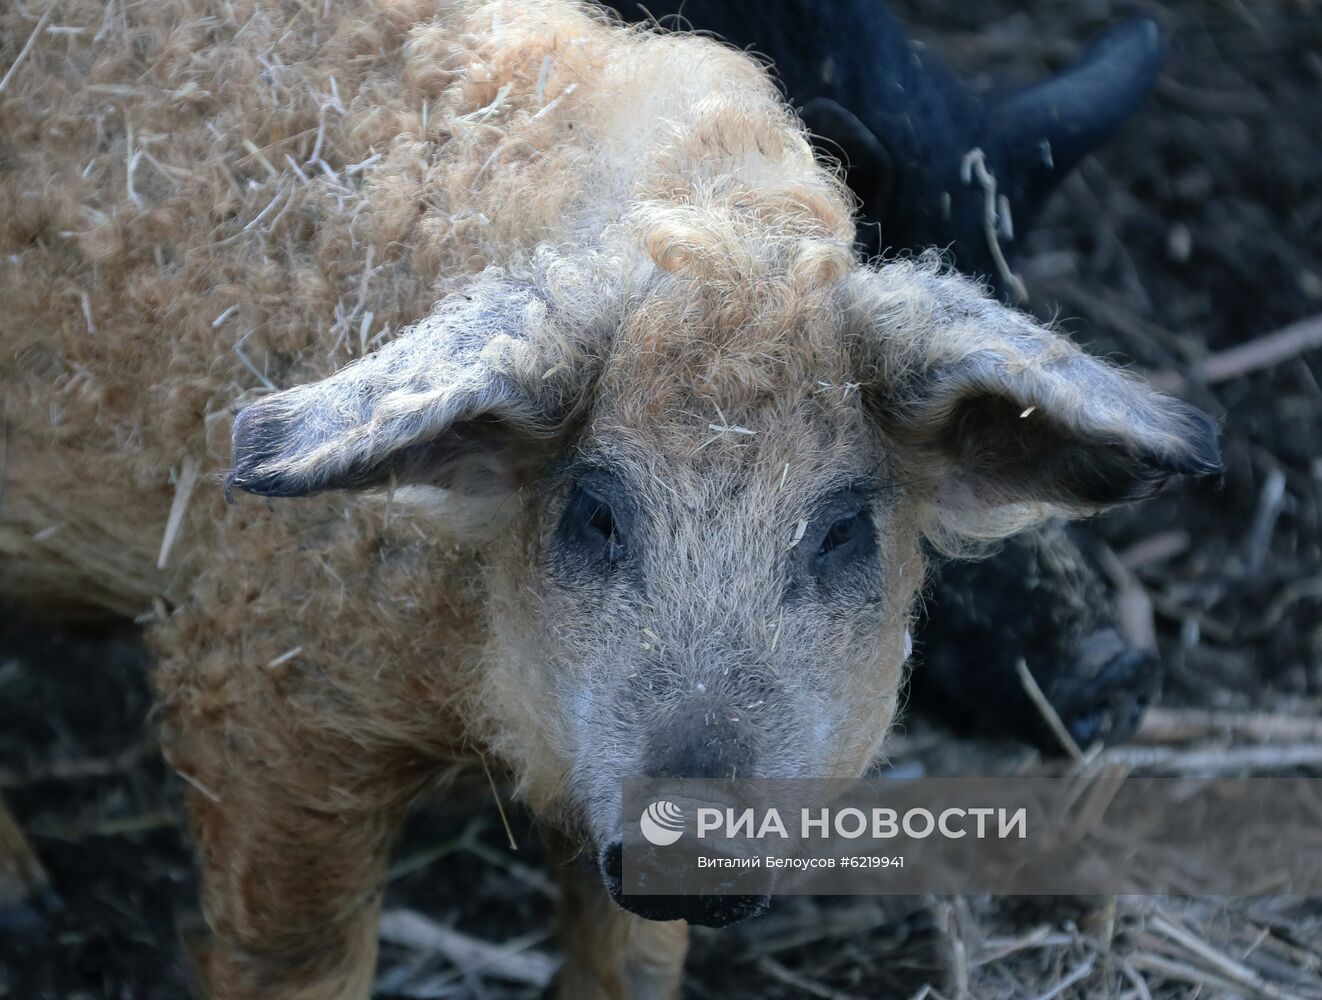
{"x":1003,"y":422}
{"x":464,"y":399}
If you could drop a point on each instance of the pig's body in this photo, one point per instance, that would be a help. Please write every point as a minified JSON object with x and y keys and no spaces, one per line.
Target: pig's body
{"x":650,"y":451}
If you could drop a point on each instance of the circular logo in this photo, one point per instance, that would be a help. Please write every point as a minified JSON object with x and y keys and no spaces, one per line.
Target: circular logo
{"x":662,"y":823}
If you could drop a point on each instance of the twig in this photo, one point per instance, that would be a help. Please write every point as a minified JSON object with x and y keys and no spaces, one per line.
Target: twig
{"x":183,"y":490}
{"x":1185,"y":725}
{"x":514,"y":960}
{"x":1080,"y":972}
{"x":974,"y":165}
{"x":1170,"y":968}
{"x":78,"y":767}
{"x":1138,"y":982}
{"x":283,"y":658}
{"x":948,"y":920}
{"x":1271,"y":501}
{"x":1216,"y":760}
{"x":801,"y":984}
{"x":999,"y":948}
{"x":1153,"y":549}
{"x":527,"y":874}
{"x":21,"y":873}
{"x":1292,"y":593}
{"x":1264,"y":352}
{"x":120,"y":826}
{"x":500,"y":808}
{"x":1047,"y":711}
{"x":214,"y":797}
{"x":1224,"y":964}
{"x":260,"y":157}
{"x":1133,"y":602}
{"x":27,"y":47}
{"x":86,"y":301}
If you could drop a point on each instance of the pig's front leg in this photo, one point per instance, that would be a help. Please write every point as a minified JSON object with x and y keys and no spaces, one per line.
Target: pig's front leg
{"x":294,"y":806}
{"x":611,"y":954}
{"x":292,"y":896}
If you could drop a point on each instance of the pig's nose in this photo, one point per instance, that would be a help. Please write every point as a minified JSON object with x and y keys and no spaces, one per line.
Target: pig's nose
{"x":705,"y":911}
{"x":700,"y":742}
{"x":1107,"y":699}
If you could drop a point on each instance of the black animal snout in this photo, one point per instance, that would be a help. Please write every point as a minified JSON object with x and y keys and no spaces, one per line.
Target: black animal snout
{"x":703,"y":910}
{"x":1108,"y":701}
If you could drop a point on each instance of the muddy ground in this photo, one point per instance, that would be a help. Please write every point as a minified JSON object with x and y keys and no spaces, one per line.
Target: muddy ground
{"x":1199,"y":229}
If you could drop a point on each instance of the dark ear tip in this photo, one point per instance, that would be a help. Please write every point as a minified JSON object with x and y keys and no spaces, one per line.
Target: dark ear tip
{"x":1201,"y":454}
{"x":243,"y":448}
{"x":255,"y":439}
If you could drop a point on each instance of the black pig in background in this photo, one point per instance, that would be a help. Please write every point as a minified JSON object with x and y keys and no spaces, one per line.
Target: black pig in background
{"x":937,"y":163}
{"x":921,"y":148}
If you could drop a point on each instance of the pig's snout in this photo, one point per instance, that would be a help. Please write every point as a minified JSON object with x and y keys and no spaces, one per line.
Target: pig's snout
{"x":695,"y":741}
{"x":703,"y":910}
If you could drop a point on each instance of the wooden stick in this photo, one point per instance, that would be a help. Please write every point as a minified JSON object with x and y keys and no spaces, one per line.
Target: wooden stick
{"x":1185,"y":725}
{"x":514,"y":960}
{"x":1216,"y":760}
{"x":1223,"y":964}
{"x":1047,"y":711}
{"x":801,"y":984}
{"x":27,"y":48}
{"x":1264,"y":352}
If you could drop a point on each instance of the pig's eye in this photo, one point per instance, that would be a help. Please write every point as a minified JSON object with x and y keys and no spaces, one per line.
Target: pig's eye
{"x":848,"y":538}
{"x":590,"y":524}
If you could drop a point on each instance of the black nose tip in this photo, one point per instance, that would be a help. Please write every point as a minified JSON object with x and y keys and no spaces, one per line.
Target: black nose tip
{"x":705,"y":911}
{"x":1109,"y":706}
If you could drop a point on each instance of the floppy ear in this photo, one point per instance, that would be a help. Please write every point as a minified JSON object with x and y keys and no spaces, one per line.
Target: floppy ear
{"x":458,"y":400}
{"x":1002,"y":422}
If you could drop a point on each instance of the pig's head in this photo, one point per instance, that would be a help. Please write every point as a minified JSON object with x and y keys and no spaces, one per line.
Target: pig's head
{"x":712,"y":495}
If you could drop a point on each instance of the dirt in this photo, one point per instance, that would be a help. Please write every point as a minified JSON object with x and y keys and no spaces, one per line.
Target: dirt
{"x":1197,"y":229}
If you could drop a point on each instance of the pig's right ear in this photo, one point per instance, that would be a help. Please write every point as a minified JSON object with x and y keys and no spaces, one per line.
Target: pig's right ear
{"x":464,"y":399}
